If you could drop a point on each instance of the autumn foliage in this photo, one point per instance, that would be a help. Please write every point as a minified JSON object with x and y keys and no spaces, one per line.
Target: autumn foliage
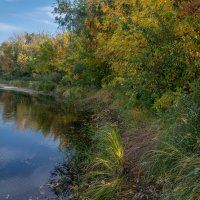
{"x":148,"y":52}
{"x":149,"y":49}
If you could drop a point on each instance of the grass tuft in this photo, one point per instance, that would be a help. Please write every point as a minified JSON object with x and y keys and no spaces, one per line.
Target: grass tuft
{"x":103,"y":176}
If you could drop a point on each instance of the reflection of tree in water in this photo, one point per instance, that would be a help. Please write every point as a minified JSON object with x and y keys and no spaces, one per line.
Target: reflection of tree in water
{"x":39,"y":114}
{"x":51,"y":119}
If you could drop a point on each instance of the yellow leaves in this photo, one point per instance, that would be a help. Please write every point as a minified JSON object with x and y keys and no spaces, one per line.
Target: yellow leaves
{"x":75,"y":76}
{"x":59,"y":46}
{"x":166,"y":101}
{"x":65,"y":37}
{"x":144,"y":11}
{"x":186,"y":30}
{"x":117,"y":81}
{"x":105,"y":8}
{"x":22,"y":59}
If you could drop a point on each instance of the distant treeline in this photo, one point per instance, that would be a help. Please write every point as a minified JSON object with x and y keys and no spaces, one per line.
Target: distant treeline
{"x":147,"y":48}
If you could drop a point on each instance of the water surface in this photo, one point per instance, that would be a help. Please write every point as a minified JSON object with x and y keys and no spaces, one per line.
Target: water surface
{"x":33,"y":134}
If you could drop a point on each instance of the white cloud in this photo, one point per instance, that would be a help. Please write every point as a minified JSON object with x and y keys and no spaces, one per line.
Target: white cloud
{"x":42,"y":15}
{"x":44,"y":22}
{"x":46,"y":10}
{"x":8,"y":154}
{"x":7,"y":27}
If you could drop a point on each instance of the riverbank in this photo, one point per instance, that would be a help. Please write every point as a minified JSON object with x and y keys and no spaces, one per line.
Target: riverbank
{"x":135,"y":141}
{"x":157,"y":151}
{"x":137,"y":134}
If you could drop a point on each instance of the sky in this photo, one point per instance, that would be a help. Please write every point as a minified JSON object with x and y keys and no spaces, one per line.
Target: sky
{"x":18,"y":16}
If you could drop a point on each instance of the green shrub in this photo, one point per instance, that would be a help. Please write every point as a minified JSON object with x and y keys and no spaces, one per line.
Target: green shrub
{"x":176,"y":160}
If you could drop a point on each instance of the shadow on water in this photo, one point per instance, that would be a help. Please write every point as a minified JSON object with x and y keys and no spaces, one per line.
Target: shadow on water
{"x":38,"y":136}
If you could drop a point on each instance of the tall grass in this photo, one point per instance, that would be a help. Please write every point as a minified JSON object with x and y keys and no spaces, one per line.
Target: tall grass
{"x":175,"y":163}
{"x":104,"y":170}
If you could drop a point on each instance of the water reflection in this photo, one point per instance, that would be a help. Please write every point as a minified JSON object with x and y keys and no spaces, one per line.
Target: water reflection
{"x":32,"y":132}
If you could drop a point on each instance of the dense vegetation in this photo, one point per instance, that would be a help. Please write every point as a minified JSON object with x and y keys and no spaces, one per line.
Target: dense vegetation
{"x":147,"y":50}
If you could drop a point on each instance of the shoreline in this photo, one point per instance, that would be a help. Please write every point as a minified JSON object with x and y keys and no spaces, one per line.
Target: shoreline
{"x":19,"y":89}
{"x":131,"y":137}
{"x":28,"y":90}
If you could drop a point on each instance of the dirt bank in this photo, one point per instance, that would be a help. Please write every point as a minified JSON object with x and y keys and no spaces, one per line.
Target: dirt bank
{"x":138,"y":141}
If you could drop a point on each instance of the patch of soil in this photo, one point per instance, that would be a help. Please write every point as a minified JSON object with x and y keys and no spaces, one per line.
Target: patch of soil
{"x":137,"y":144}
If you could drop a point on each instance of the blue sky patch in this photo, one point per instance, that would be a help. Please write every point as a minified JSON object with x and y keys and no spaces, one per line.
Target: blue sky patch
{"x":18,"y":16}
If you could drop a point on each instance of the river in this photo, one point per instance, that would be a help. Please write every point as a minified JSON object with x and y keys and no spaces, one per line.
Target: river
{"x":36,"y":134}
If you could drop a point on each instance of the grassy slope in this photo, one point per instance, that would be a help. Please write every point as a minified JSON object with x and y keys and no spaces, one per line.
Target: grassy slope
{"x":134,"y":126}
